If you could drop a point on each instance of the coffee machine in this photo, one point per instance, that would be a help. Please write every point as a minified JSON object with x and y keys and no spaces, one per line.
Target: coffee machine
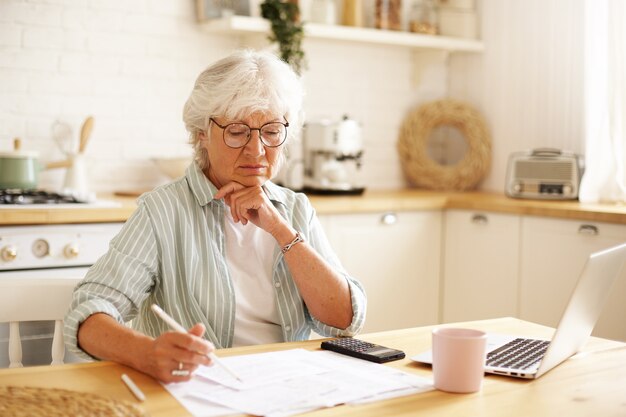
{"x":332,"y":153}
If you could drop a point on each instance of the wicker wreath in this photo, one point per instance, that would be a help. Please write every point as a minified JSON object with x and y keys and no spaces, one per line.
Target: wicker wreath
{"x":421,"y":170}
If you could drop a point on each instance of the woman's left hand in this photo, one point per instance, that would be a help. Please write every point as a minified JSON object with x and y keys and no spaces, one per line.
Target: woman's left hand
{"x":250,"y":204}
{"x":325,"y":292}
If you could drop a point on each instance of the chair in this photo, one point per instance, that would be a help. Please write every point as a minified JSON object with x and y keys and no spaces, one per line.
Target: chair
{"x":23,"y":300}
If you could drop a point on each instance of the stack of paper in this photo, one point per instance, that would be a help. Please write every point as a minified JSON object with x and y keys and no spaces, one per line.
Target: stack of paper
{"x":290,"y":382}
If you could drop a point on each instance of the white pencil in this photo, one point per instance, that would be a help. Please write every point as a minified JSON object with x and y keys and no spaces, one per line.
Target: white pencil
{"x":133,"y":388}
{"x":177,"y":327}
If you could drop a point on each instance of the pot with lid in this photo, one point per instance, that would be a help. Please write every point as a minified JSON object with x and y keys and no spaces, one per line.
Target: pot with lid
{"x":20,"y":169}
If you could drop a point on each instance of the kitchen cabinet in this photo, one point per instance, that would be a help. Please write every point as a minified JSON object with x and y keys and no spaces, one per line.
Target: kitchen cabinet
{"x":396,"y":255}
{"x":245,"y":26}
{"x":553,"y":254}
{"x":480,"y":268}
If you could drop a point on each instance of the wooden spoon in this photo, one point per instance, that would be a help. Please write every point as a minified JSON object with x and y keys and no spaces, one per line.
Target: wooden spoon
{"x":85,"y":132}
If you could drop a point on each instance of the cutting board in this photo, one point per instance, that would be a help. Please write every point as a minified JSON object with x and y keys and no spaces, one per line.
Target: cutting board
{"x":130,"y":193}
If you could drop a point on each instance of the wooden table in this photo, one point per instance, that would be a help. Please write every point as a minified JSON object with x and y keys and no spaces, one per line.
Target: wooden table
{"x":592,"y":383}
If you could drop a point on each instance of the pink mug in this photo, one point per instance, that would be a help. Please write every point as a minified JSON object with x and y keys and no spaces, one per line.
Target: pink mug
{"x":458,"y":359}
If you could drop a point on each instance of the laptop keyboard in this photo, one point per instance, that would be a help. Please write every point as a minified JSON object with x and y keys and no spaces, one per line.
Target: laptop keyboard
{"x":518,"y":354}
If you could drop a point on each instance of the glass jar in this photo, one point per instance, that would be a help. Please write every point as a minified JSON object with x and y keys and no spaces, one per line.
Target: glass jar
{"x":323,"y":11}
{"x":424,"y":17}
{"x":352,"y":13}
{"x":388,"y":14}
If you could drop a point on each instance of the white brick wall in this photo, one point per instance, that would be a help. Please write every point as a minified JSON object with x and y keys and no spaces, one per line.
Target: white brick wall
{"x":131,"y":64}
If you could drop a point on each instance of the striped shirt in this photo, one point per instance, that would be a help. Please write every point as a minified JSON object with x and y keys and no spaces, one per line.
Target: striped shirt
{"x":171,"y":252}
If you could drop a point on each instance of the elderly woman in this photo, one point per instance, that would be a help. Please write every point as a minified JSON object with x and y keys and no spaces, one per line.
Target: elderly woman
{"x":231,"y":256}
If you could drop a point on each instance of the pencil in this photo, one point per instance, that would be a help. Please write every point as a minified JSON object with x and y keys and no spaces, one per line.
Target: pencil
{"x":177,"y":327}
{"x":133,"y":388}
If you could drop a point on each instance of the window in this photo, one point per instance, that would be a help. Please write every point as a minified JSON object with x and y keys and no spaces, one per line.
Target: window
{"x":605,"y":102}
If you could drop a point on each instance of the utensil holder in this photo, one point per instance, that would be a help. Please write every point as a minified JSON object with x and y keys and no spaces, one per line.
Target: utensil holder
{"x":76,"y":176}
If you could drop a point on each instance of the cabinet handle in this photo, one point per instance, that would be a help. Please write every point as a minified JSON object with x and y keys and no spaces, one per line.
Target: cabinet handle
{"x":588,"y":229}
{"x":479,"y":219}
{"x":389,"y":218}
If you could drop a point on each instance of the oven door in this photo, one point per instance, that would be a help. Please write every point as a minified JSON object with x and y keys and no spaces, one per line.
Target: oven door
{"x":36,"y":336}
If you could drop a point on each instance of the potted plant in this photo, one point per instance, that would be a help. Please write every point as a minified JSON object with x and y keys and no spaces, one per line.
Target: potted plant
{"x":287,"y":31}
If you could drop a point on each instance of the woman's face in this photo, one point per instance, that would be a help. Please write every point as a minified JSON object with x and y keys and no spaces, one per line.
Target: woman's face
{"x":250,"y":165}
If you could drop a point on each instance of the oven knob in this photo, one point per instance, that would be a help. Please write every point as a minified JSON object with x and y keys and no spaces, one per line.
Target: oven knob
{"x":8,"y":253}
{"x":71,"y":251}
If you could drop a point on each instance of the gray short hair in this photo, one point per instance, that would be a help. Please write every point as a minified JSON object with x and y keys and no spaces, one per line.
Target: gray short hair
{"x":236,"y":86}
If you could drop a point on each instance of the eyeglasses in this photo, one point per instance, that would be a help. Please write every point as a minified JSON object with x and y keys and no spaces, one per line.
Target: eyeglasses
{"x":237,"y":135}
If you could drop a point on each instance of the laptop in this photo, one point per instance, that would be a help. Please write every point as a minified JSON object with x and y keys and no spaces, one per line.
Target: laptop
{"x":530,"y":358}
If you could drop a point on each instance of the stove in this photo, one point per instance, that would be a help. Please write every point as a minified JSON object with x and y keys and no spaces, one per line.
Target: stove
{"x":31,"y":253}
{"x":22,"y":197}
{"x":25,"y":248}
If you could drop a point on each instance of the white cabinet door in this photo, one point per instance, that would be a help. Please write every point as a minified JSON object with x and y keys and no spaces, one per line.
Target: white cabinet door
{"x":481,"y":261}
{"x":397,"y":258}
{"x":554,"y":252}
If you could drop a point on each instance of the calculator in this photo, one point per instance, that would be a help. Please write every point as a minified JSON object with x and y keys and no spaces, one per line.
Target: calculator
{"x":363,"y":350}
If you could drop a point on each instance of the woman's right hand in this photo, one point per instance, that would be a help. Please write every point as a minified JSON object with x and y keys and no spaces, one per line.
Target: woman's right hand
{"x":171,"y":349}
{"x":103,"y":337}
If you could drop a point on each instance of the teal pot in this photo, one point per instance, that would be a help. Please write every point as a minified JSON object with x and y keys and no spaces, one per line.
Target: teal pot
{"x":19,"y":169}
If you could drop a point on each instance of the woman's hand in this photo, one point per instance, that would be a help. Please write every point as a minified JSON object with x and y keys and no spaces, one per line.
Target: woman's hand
{"x":324,"y":290}
{"x":103,"y":337}
{"x":250,"y":204}
{"x":172,"y":349}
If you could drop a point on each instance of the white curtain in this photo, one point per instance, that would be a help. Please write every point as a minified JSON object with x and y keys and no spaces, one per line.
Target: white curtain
{"x":605,"y":102}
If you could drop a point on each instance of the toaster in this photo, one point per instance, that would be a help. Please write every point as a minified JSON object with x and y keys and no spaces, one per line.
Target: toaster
{"x":544,"y":173}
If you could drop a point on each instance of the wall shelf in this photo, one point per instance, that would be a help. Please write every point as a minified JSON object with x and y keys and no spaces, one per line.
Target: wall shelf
{"x":243,"y":25}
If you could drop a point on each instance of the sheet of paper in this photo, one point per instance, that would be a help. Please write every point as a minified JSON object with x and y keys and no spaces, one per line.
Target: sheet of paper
{"x":193,"y":405}
{"x":281,"y":384}
{"x":427,"y":386}
{"x":261,"y":369}
{"x":302,"y":392}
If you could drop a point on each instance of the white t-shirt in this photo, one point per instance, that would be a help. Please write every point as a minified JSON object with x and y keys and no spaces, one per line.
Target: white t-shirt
{"x":249,"y":256}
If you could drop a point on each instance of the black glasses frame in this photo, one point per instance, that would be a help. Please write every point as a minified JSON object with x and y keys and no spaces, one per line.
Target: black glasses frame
{"x":286,"y":124}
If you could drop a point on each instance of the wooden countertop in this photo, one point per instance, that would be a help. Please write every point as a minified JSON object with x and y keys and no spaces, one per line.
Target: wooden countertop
{"x":413,"y":199}
{"x":371,"y":201}
{"x":119,"y":211}
{"x":591,"y":383}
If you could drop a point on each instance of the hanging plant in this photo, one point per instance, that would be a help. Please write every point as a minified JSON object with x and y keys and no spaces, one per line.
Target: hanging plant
{"x":287,"y":31}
